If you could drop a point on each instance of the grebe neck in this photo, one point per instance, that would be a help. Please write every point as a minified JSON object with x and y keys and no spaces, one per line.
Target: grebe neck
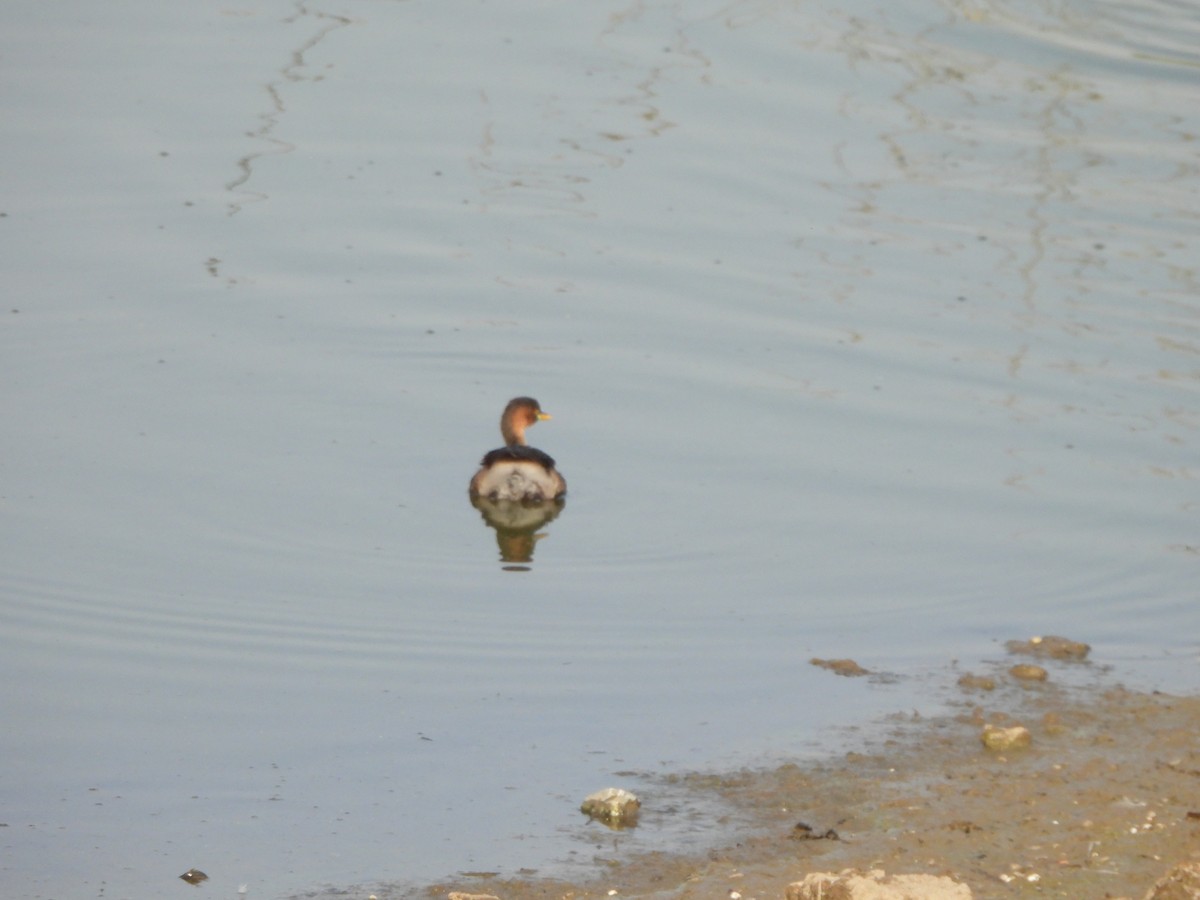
{"x":513,"y":432}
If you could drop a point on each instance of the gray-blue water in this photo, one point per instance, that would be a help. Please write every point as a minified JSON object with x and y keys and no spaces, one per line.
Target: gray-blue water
{"x":870,"y":329}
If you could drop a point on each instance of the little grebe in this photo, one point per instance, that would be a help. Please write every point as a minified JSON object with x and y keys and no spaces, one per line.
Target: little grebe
{"x":517,"y":471}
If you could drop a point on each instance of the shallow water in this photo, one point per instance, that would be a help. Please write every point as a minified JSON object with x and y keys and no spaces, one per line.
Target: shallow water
{"x":869,"y":330}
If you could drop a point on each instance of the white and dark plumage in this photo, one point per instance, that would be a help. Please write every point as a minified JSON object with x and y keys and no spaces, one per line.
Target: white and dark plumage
{"x":517,"y":471}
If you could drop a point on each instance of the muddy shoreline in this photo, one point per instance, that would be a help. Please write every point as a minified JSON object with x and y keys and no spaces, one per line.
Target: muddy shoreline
{"x":1104,"y":801}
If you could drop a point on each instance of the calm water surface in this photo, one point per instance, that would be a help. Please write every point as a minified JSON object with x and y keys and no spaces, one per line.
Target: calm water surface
{"x":869,"y":330}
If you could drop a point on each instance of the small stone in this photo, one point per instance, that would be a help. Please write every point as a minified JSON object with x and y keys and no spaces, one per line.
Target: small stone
{"x":462,"y":895}
{"x":1001,"y":739}
{"x":1028,"y":672}
{"x":194,"y":876}
{"x":1051,"y":645}
{"x":802,"y":831}
{"x":847,"y":667}
{"x":615,"y":807}
{"x":971,"y":682}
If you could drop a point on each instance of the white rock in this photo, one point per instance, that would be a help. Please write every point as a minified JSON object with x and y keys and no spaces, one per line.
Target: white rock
{"x":615,"y":807}
{"x":876,"y":885}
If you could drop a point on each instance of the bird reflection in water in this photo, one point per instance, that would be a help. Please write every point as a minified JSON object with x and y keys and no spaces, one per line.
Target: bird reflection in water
{"x":517,"y":489}
{"x":516,"y":523}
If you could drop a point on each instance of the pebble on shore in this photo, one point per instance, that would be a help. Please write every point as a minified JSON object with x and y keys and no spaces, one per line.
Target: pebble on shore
{"x":615,"y":807}
{"x":1028,"y":672}
{"x":1001,"y":739}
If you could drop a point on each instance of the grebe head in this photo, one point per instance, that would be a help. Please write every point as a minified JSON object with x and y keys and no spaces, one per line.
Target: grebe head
{"x":519,"y":414}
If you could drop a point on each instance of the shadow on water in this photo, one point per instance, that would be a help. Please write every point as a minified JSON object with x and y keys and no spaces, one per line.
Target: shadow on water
{"x":517,"y":524}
